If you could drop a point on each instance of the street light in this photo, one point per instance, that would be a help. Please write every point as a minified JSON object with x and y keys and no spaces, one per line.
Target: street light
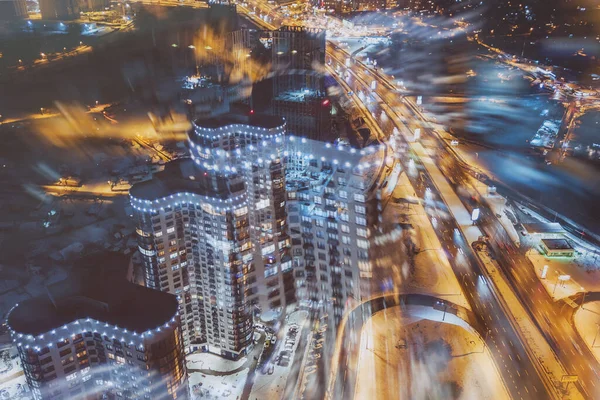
{"x":191,"y":46}
{"x":596,"y":337}
{"x":487,"y":332}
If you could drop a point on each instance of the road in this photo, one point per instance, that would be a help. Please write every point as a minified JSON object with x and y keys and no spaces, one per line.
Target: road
{"x":552,"y":318}
{"x":517,"y":369}
{"x":555,"y":325}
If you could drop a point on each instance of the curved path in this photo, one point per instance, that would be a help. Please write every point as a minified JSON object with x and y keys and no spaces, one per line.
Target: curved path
{"x":342,"y":377}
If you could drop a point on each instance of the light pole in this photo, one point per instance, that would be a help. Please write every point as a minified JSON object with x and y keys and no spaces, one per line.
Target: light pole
{"x":487,"y":332}
{"x":596,"y":336}
{"x":582,"y":298}
{"x":191,"y":46}
{"x":555,"y":285}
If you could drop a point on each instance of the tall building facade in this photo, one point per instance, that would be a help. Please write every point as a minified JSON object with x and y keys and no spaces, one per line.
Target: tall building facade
{"x":296,"y":49}
{"x":333,"y":211}
{"x":369,"y":5}
{"x":307,"y":113}
{"x":13,"y":9}
{"x":59,"y":9}
{"x":100,"y":337}
{"x":298,"y":90}
{"x":213,"y":230}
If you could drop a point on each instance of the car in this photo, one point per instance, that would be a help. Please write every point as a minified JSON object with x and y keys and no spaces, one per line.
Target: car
{"x":267,"y":343}
{"x":260,"y":327}
{"x":273,"y":339}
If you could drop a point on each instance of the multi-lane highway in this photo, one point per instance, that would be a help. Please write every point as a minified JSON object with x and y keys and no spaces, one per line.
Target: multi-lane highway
{"x":552,"y":318}
{"x":517,"y":369}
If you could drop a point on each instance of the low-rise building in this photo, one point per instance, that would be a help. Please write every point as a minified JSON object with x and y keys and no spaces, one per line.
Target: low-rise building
{"x":557,"y":248}
{"x":97,"y":335}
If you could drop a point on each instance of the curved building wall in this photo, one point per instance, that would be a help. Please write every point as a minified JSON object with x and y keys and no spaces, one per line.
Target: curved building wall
{"x":87,"y":357}
{"x":234,"y":248}
{"x":256,"y":153}
{"x":201,"y":252}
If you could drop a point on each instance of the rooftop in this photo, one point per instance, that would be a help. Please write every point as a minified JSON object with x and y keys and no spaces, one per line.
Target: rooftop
{"x":179,"y":176}
{"x":557,"y":244}
{"x":300,"y":96}
{"x":258,"y":120}
{"x":96,"y":293}
{"x":542,"y":227}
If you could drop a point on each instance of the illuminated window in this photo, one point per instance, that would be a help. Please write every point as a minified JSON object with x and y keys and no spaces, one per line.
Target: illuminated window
{"x":240,"y":211}
{"x":72,"y":376}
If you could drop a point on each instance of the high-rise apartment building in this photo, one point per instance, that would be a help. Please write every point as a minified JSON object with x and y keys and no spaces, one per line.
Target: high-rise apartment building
{"x":213,"y":229}
{"x":333,"y":210}
{"x":298,"y":92}
{"x":59,"y":9}
{"x":93,"y":5}
{"x":295,"y":50}
{"x":307,"y":113}
{"x":369,"y":5}
{"x":12,"y":9}
{"x":97,"y":336}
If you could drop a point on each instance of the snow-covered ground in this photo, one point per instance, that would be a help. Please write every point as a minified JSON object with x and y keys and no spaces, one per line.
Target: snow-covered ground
{"x":393,"y":270}
{"x":213,"y":362}
{"x":584,"y":272}
{"x":41,"y":256}
{"x":410,"y":353}
{"x":16,"y":388}
{"x":204,"y":386}
{"x":12,"y":379}
{"x":271,"y":387}
{"x":587,"y":322}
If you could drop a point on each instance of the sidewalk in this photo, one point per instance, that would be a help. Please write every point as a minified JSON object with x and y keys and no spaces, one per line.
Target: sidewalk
{"x":587,"y":323}
{"x":583,"y":278}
